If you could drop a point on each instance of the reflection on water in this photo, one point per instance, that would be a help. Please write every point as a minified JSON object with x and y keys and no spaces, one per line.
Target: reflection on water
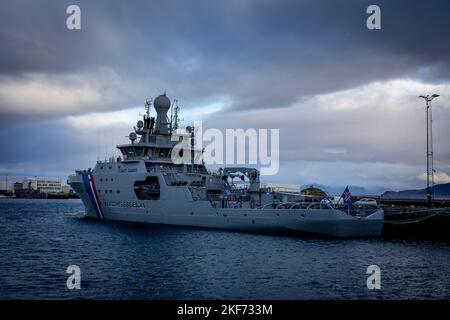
{"x":41,"y":238}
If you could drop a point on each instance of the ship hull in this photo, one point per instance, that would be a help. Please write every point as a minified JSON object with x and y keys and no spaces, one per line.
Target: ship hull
{"x":266,"y":223}
{"x":327,"y":222}
{"x":176,"y":206}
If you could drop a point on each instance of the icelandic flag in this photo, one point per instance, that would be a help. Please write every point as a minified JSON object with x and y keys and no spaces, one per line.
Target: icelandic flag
{"x":347,"y":196}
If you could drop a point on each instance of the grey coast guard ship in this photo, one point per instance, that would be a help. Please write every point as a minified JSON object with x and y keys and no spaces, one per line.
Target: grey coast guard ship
{"x":144,"y":185}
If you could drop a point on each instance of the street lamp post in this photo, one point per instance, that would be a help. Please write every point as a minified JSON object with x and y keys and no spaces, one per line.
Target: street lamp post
{"x":430,"y":171}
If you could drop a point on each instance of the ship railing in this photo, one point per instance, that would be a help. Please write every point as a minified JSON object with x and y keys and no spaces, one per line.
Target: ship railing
{"x":353,"y":211}
{"x":110,"y":160}
{"x":357,"y":211}
{"x":285,"y":205}
{"x":319,"y":205}
{"x":297,"y":205}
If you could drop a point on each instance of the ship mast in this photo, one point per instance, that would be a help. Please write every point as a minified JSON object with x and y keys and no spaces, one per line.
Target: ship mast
{"x":175,"y":120}
{"x":148,"y":104}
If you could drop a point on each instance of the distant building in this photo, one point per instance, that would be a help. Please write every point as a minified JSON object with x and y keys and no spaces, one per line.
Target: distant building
{"x":17,"y":187}
{"x":313,"y":191}
{"x":66,"y":188}
{"x":41,"y":185}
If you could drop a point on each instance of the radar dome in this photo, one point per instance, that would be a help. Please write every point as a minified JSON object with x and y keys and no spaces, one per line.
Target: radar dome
{"x":162,"y":103}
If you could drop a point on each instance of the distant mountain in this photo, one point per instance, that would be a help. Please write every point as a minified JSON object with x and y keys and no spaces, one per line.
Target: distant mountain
{"x":441,"y":191}
{"x":354,"y":190}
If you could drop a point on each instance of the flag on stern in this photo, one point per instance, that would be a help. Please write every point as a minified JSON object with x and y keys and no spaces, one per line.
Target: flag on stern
{"x":347,"y":196}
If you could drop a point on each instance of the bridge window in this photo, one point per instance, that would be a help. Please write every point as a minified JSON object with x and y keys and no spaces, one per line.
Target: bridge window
{"x":139,"y":151}
{"x":147,"y":189}
{"x":128,"y":152}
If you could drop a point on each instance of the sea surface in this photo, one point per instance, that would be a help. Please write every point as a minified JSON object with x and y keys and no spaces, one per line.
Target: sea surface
{"x":39,"y":239}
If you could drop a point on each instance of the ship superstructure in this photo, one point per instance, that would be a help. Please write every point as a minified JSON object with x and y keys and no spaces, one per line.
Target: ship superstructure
{"x":145,"y":185}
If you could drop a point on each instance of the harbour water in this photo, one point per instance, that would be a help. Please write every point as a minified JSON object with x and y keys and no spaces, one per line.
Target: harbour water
{"x":41,"y":238}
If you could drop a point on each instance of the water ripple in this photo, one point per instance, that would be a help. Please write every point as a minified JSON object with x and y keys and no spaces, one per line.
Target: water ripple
{"x":40,"y":238}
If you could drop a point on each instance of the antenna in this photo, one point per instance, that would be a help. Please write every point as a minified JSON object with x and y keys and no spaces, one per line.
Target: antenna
{"x":176,"y":119}
{"x":171,"y":117}
{"x":112,"y":146}
{"x":148,"y":104}
{"x":192,"y":147}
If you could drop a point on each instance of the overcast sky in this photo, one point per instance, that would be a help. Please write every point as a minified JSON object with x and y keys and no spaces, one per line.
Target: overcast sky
{"x":344,"y":97}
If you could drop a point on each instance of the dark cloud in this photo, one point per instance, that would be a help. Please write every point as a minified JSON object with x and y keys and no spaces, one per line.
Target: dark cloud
{"x":43,"y":148}
{"x":258,"y":55}
{"x":264,"y":53}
